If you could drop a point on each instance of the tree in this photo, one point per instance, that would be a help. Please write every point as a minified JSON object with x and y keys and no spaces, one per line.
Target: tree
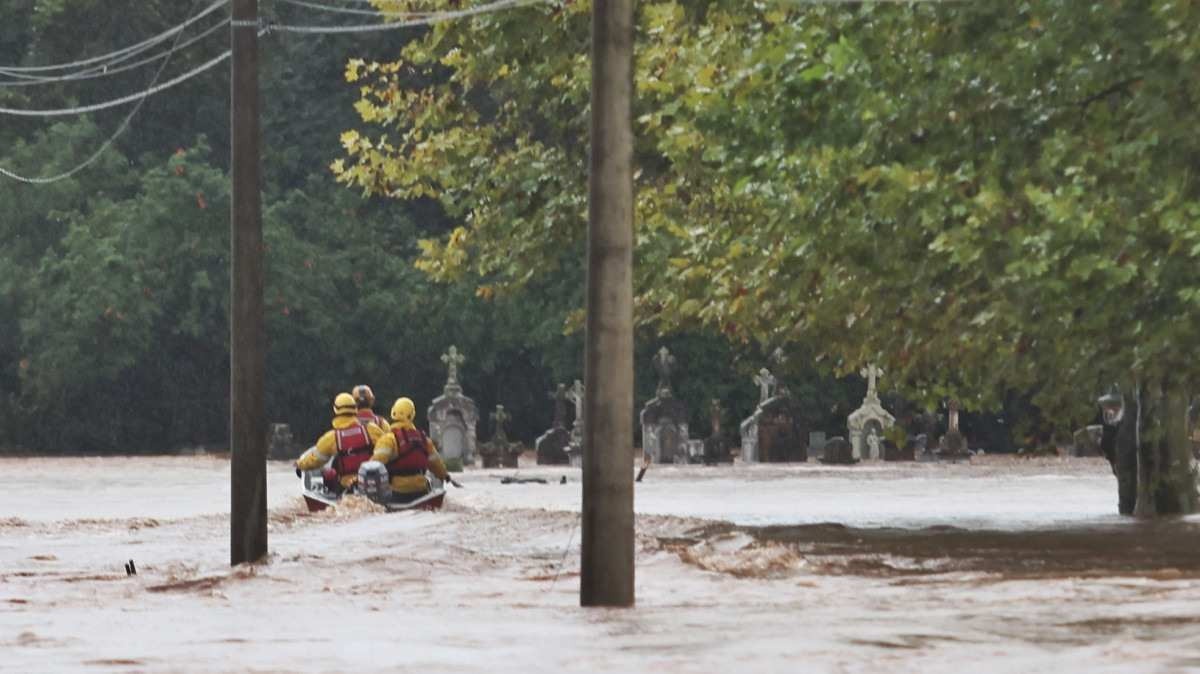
{"x":981,"y":198}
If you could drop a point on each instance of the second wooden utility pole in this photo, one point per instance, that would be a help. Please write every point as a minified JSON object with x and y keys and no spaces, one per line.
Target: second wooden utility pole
{"x":607,"y":566}
{"x":247,"y":344}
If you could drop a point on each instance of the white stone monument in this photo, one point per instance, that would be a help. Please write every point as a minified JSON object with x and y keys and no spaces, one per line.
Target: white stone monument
{"x":453,"y":416}
{"x":869,"y":421}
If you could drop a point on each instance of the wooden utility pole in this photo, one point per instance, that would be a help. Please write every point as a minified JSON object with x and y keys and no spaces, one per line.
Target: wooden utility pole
{"x":607,"y":567}
{"x":247,"y":413}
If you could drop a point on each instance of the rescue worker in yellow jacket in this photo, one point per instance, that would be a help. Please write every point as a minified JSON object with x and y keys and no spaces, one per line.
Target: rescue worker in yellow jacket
{"x":396,"y":470}
{"x":350,"y":443}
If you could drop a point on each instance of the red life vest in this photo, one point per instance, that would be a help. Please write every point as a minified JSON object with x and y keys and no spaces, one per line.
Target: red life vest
{"x":411,"y":457}
{"x":366,"y":416}
{"x":353,"y":448}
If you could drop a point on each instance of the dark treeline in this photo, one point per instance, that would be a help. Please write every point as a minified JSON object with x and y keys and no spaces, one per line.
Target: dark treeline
{"x":114,"y":283}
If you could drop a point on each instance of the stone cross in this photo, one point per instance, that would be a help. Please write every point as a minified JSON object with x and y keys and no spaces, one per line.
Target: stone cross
{"x":871,"y":373}
{"x":559,"y":397}
{"x":576,"y":396}
{"x":452,"y":359}
{"x":765,"y":381}
{"x":714,"y":416}
{"x":500,"y":417}
{"x":664,"y":363}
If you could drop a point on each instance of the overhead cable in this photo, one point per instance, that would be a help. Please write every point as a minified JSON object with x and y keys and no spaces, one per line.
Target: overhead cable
{"x":107,"y":143}
{"x":103,"y":105}
{"x":124,"y":52}
{"x":349,"y":10}
{"x":437,"y":17}
{"x":106,"y":71}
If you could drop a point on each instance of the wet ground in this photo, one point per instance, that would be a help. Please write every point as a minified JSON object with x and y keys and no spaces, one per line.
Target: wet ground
{"x":1000,"y":566}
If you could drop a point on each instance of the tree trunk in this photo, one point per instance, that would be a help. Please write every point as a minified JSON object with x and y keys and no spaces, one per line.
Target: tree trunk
{"x":1166,"y":472}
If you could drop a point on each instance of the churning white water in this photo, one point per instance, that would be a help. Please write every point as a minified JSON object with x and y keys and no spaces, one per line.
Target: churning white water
{"x":1003,"y":565}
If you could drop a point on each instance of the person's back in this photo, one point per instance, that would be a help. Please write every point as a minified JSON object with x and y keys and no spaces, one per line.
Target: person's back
{"x":349,"y":443}
{"x":364,"y":400}
{"x":402,"y":456}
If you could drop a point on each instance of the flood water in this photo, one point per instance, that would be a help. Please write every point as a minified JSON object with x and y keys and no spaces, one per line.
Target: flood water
{"x":1000,"y":566}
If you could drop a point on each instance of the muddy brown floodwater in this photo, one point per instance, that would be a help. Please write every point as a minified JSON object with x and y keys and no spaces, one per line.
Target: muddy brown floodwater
{"x":1001,"y":566}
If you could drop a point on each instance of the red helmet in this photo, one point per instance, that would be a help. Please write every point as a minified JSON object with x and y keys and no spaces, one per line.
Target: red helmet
{"x":364,"y":397}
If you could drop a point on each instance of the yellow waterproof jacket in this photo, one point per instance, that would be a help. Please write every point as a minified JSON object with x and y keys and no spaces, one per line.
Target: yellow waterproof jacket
{"x":326,"y":447}
{"x":386,"y":451}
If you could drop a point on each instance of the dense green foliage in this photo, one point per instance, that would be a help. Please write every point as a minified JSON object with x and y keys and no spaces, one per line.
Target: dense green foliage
{"x":983,"y":198}
{"x":114,"y":283}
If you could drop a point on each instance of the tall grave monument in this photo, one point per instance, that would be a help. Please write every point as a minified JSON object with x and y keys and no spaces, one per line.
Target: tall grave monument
{"x":499,"y":452}
{"x":665,"y":417}
{"x":773,"y":433}
{"x":552,"y":445}
{"x":575,"y":446}
{"x":452,"y":415}
{"x":869,"y":421}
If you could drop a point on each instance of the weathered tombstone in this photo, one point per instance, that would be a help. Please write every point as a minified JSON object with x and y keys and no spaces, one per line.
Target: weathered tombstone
{"x":453,"y":416}
{"x":816,"y":444}
{"x":716,"y":448}
{"x":665,"y":418}
{"x":552,"y":445}
{"x":953,"y":446}
{"x":499,"y":452}
{"x":575,"y":446}
{"x":281,"y":446}
{"x":1194,"y":427}
{"x":921,"y":449}
{"x":1086,"y":441}
{"x":869,"y":421}
{"x":838,"y":451}
{"x":773,"y":434}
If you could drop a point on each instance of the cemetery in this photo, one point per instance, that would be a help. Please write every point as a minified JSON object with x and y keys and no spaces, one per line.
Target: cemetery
{"x":599,"y":336}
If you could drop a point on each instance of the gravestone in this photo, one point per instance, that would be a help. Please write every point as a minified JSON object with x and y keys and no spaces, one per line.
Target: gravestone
{"x":1194,"y":427}
{"x":892,"y":452}
{"x":575,"y":445}
{"x":816,"y":444}
{"x":453,"y":416}
{"x":773,"y":433}
{"x":838,"y":451}
{"x":552,"y":445}
{"x":281,"y":446}
{"x":716,"y":447}
{"x":499,"y":452}
{"x":1086,"y":441}
{"x":664,"y":418}
{"x":869,"y":421}
{"x":953,"y":446}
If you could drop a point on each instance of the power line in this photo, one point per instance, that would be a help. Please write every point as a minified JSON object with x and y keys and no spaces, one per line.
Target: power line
{"x":154,"y":88}
{"x":103,"y":105}
{"x":119,"y":54}
{"x":349,"y":10}
{"x":111,"y":139}
{"x":105,"y":71}
{"x":437,"y":17}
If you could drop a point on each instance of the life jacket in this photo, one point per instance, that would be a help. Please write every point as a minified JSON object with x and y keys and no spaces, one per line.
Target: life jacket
{"x":411,"y":457}
{"x":367,"y":416}
{"x":354,"y":448}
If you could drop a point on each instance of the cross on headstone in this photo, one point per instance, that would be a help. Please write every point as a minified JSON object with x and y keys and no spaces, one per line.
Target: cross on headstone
{"x":452,"y":359}
{"x":664,"y":363}
{"x":559,"y":396}
{"x":766,"y":382}
{"x":576,"y":396}
{"x":499,"y":418}
{"x":871,"y":372}
{"x":714,"y":416}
